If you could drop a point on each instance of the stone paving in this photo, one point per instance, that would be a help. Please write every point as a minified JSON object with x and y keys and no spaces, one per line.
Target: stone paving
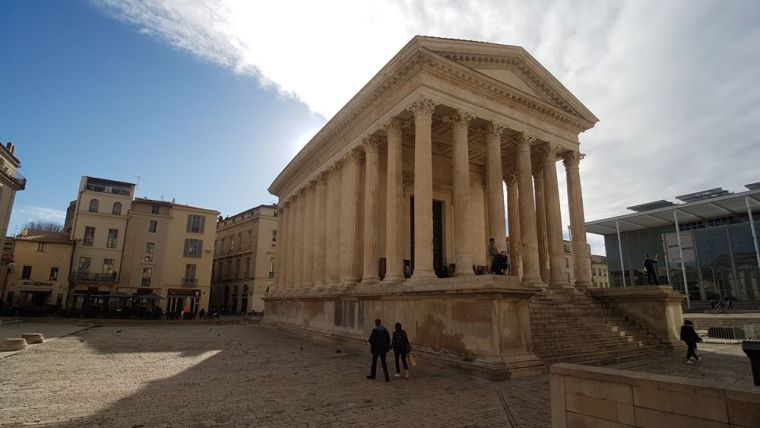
{"x":249,"y":375}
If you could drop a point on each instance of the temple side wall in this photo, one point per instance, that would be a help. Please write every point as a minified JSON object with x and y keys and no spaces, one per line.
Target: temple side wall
{"x":482,"y":325}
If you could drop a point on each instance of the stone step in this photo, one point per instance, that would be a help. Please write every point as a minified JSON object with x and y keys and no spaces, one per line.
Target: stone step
{"x":605,"y":357}
{"x":594,"y":344}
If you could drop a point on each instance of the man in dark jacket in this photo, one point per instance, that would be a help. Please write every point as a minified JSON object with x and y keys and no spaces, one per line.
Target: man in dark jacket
{"x":690,"y":336}
{"x":380,"y":343}
{"x":649,"y":266}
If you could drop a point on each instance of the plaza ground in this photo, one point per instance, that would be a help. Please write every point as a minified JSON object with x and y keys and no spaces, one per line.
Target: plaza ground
{"x":197,"y":374}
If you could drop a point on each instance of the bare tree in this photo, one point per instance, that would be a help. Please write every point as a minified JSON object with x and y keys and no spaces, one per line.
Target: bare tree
{"x":44,"y":226}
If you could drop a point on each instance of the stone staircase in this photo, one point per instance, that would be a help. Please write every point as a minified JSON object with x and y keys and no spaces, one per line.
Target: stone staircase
{"x":569,"y":326}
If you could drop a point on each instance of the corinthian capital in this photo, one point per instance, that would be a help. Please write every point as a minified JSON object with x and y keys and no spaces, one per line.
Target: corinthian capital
{"x":394,"y":124}
{"x":572,"y":158}
{"x":422,"y":106}
{"x":460,"y":118}
{"x":523,"y":142}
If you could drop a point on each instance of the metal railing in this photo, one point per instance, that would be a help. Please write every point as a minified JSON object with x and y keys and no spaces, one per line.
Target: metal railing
{"x":189,"y":282}
{"x":729,"y":333}
{"x":95,"y":277}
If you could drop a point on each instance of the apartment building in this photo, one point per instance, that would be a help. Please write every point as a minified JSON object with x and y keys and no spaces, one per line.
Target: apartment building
{"x":244,"y":256}
{"x":39,"y":275}
{"x":11,"y":181}
{"x":97,"y":222}
{"x":168,"y":255}
{"x":599,"y":276}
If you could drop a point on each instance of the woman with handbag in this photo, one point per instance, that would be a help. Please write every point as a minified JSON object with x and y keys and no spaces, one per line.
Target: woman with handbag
{"x":401,"y":347}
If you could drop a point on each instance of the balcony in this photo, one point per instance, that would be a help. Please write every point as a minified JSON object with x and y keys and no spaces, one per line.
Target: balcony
{"x":15,"y":177}
{"x":189,"y":282}
{"x":95,"y":277}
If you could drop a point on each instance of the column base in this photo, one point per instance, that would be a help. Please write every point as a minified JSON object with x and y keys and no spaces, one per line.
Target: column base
{"x":370,"y":280}
{"x":423,"y":275}
{"x":394,"y":278}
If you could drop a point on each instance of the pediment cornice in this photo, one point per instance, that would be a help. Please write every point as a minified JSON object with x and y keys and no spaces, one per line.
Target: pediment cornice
{"x":452,"y":66}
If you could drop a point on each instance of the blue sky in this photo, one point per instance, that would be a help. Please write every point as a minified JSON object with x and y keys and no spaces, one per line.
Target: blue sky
{"x":207,"y":100}
{"x":85,"y":94}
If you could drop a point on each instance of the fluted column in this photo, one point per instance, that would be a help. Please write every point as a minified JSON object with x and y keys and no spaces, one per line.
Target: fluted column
{"x":333,"y":225}
{"x":349,"y":246}
{"x":582,"y":258}
{"x":320,"y":231}
{"x":291,"y":270}
{"x":513,"y":215}
{"x":495,"y":181}
{"x":531,"y":274}
{"x":460,"y":122}
{"x":557,"y":269}
{"x":423,"y":188}
{"x":394,"y":264}
{"x":543,"y":248}
{"x":298,"y":262}
{"x":371,"y":185}
{"x":279,"y":280}
{"x":308,"y":236}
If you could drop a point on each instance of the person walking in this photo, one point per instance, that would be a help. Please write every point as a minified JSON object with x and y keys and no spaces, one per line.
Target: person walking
{"x":649,"y":266}
{"x":380,"y":343}
{"x":401,"y":347}
{"x":691,"y":338}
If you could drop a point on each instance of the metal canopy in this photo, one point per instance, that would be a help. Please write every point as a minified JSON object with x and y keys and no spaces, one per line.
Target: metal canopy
{"x":703,"y":209}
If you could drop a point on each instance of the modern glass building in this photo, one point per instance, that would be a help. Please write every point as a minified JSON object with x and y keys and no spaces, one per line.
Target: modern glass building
{"x":706,"y":245}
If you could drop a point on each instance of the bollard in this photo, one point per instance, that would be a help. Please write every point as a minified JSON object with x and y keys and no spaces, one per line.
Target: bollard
{"x":752,"y":349}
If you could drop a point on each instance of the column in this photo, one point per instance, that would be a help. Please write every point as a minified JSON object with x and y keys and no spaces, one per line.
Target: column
{"x":423,"y":188}
{"x":308,"y":236}
{"x":531,"y":274}
{"x":513,"y":216}
{"x":320,"y":231}
{"x":298,"y":262}
{"x":460,"y":122}
{"x":495,"y":185}
{"x":577,"y":220}
{"x":349,"y":248}
{"x":279,"y":279}
{"x":557,"y":269}
{"x":332,"y":214}
{"x":371,"y":185}
{"x":291,"y":271}
{"x":394,"y":262}
{"x":543,"y":246}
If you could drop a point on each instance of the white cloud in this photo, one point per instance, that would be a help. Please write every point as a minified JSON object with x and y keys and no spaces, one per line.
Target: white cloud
{"x":26,"y":213}
{"x":672,"y":82}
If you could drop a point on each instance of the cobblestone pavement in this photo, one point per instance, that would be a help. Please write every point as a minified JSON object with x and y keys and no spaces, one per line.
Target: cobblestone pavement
{"x":51,"y":330}
{"x":245,"y":375}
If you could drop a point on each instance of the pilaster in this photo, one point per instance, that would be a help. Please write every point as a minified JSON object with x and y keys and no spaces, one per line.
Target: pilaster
{"x":371,"y":185}
{"x":320,"y":231}
{"x":349,"y":245}
{"x":394,"y":269}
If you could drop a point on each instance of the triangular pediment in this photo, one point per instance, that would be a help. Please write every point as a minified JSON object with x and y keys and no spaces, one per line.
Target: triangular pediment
{"x":512,"y":66}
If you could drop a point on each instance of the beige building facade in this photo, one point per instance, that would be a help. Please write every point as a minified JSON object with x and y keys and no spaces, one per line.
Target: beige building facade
{"x":599,"y":274}
{"x":39,"y":278}
{"x":168,"y":255}
{"x":97,"y":222}
{"x":244,"y":260}
{"x":388,"y":210}
{"x":11,"y":181}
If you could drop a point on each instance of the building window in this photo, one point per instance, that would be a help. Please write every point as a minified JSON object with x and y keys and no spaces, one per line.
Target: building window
{"x":53,"y":274}
{"x":116,"y":208}
{"x":274,"y":238}
{"x":247,"y":267}
{"x":89,"y":236}
{"x":84,"y":264}
{"x":108,"y":266}
{"x":221,"y":247}
{"x":94,"y":205}
{"x":155,"y":209}
{"x":250,"y":238}
{"x":26,"y":272}
{"x":237,"y":268}
{"x":190,"y":273}
{"x":195,"y":223}
{"x":240,"y":240}
{"x":232,"y":243}
{"x":153,"y":226}
{"x":41,"y":247}
{"x":193,"y":248}
{"x":146,"y":276}
{"x":271,"y":268}
{"x":113,"y":238}
{"x":229,"y":269}
{"x":219,"y":271}
{"x":150,"y":252}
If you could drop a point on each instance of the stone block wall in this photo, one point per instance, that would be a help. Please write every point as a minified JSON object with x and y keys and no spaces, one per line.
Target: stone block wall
{"x":583,"y":396}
